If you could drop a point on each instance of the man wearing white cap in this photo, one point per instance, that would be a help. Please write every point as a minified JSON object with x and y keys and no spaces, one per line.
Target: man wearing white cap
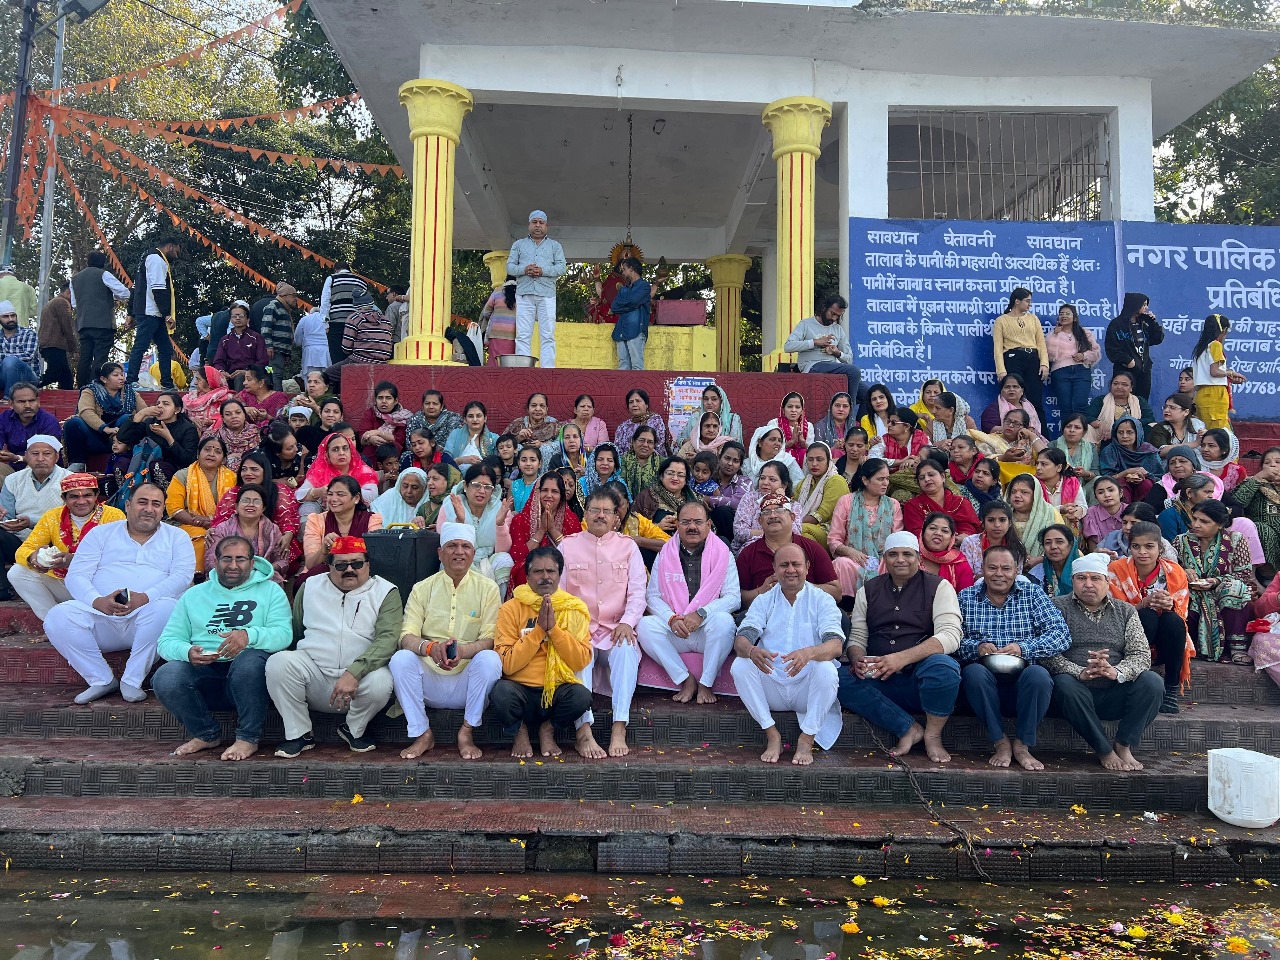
{"x":28,"y":495}
{"x":905,"y":626}
{"x":1106,"y":672}
{"x":446,"y":658}
{"x":535,"y":261}
{"x":18,"y":349}
{"x":19,"y":293}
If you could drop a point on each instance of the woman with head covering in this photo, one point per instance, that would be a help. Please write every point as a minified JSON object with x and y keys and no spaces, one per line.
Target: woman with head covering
{"x":400,"y":504}
{"x":938,"y":553}
{"x":194,"y":492}
{"x":604,"y":469}
{"x":441,"y":479}
{"x":708,"y":436}
{"x":714,"y":400}
{"x":926,"y":405}
{"x":1222,"y":583}
{"x":1180,"y":463}
{"x":573,"y":452}
{"x":797,"y":431}
{"x":1059,"y":548}
{"x":1032,"y":513}
{"x":1130,"y":460}
{"x":238,"y":435}
{"x":336,"y":458}
{"x":766,"y":445}
{"x":860,"y":523}
{"x":819,"y":492}
{"x":839,"y":419}
{"x":544,"y":522}
{"x":210,"y":392}
{"x":639,"y":465}
{"x":1219,"y":456}
{"x":950,"y":420}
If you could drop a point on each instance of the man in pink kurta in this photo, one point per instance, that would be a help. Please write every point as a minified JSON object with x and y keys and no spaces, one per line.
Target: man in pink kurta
{"x":603,"y":569}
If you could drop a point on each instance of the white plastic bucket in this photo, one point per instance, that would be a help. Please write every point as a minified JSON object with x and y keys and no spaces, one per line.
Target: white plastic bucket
{"x":1244,"y":787}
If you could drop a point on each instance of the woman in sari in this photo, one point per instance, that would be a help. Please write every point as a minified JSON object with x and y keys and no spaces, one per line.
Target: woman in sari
{"x":648,"y":536}
{"x":261,"y":402}
{"x":1032,"y":513}
{"x":336,"y":459}
{"x":773,"y":478}
{"x":933,"y":498}
{"x":278,"y":502}
{"x":194,"y":492}
{"x":819,"y":492}
{"x":880,"y":405}
{"x":938,"y":553}
{"x":950,"y":420}
{"x":839,"y":419}
{"x":594,"y":430}
{"x":797,"y":431}
{"x":639,"y":467}
{"x":998,"y":530}
{"x":1219,"y":457}
{"x":1082,"y":456}
{"x":104,"y":406}
{"x":385,"y":422}
{"x":573,"y":453}
{"x":926,"y":405}
{"x":767,"y":445}
{"x":963,"y":458}
{"x":1220,"y":577}
{"x":238,"y":435}
{"x":479,"y":507}
{"x":315,"y":392}
{"x":1259,"y":499}
{"x":1012,"y":396}
{"x":640,"y":416}
{"x":1130,"y":460}
{"x":345,"y":515}
{"x":860,"y":523}
{"x":714,"y":400}
{"x":536,"y":428}
{"x":544,"y":522}
{"x":1178,"y":428}
{"x":708,"y":436}
{"x":1059,"y":548}
{"x":902,"y":447}
{"x":399,"y":505}
{"x":210,"y":392}
{"x":1180,"y":463}
{"x":422,"y":451}
{"x":248,"y":519}
{"x":604,"y":469}
{"x":440,"y":481}
{"x":669,"y":491}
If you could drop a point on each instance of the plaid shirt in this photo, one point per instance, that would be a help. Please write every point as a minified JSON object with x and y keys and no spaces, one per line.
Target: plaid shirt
{"x":24,"y":344}
{"x":1028,"y":618}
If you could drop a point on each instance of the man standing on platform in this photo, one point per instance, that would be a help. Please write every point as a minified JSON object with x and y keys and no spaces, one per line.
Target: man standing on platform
{"x":154,"y":302}
{"x":337,"y":303}
{"x":536,"y":261}
{"x":631,"y":307}
{"x":58,"y":344}
{"x":277,"y":331}
{"x":94,"y":293}
{"x":822,"y":346}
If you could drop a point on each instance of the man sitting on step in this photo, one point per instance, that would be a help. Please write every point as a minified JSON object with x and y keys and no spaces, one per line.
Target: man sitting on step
{"x":125,"y":580}
{"x":787,"y":646}
{"x":40,"y":565}
{"x":446,"y":657}
{"x":26,"y":496}
{"x":604,"y":569}
{"x":1008,"y":614}
{"x":905,"y":626}
{"x":693,"y":594}
{"x":1106,"y":673}
{"x":346,"y":626}
{"x":756,"y":561}
{"x":217,"y":643}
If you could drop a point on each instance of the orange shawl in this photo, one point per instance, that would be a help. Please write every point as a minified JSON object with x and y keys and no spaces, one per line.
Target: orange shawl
{"x":1127,"y":585}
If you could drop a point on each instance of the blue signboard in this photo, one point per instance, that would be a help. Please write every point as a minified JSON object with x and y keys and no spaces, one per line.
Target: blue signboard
{"x":1191,"y":271}
{"x":923,"y":295}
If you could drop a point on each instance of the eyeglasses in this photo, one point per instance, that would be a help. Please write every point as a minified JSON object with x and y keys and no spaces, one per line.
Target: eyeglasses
{"x":481,"y":487}
{"x":673,"y":474}
{"x":343,"y":565}
{"x":692,"y":523}
{"x":601,"y":511}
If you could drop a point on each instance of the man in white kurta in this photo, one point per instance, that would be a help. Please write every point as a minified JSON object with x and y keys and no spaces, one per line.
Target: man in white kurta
{"x":693,"y":594}
{"x":781,"y":667}
{"x":154,"y":563}
{"x":456,"y":606}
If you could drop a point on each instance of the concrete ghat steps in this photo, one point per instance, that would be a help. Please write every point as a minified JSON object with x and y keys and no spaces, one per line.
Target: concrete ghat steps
{"x":123,"y":768}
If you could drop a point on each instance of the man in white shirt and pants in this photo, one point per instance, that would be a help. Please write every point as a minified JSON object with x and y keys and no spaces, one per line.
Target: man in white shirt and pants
{"x":536,"y":261}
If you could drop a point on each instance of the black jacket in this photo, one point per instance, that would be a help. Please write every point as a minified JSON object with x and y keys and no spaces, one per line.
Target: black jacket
{"x":1121,"y":345}
{"x":186,"y":438}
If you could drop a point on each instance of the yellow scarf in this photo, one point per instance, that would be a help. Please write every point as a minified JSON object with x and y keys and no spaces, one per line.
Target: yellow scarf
{"x":573,"y":617}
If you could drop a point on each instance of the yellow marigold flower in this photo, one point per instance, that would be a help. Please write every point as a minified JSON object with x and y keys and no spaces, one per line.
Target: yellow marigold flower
{"x":850,"y":927}
{"x":1137,"y":932}
{"x":1237,"y":944}
{"x":859,"y":881}
{"x":357,"y":799}
{"x":881,"y":901}
{"x":1175,"y":918}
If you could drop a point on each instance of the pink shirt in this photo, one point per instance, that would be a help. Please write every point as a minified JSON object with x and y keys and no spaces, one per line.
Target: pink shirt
{"x":1062,"y":349}
{"x":608,"y":575}
{"x":596,"y":433}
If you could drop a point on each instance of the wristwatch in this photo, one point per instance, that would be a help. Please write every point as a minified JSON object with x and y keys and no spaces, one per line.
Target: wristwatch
{"x":702,"y":613}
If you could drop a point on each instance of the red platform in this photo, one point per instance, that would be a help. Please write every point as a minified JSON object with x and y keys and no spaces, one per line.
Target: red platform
{"x":680,"y":313}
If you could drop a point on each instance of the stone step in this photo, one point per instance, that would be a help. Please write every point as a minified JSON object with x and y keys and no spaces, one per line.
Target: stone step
{"x":132,"y":768}
{"x":29,"y":711}
{"x":320,"y":836}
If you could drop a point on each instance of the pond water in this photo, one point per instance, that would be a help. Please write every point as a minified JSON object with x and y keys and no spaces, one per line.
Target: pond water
{"x":277,"y":917}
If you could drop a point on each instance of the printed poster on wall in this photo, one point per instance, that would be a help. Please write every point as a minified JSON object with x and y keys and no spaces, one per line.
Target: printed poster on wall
{"x":684,"y":399}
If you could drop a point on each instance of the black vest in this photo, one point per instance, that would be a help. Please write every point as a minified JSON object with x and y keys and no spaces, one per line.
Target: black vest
{"x":138,"y":302}
{"x":899,"y":619}
{"x":95,"y":304}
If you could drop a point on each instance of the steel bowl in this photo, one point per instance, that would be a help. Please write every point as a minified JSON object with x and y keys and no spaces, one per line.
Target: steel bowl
{"x":517,"y":360}
{"x":1003,"y":664}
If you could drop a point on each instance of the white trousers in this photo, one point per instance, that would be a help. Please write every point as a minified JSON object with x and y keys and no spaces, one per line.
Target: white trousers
{"x":40,"y":591}
{"x":543,"y":310}
{"x":418,"y":687}
{"x":297,"y":687}
{"x":714,"y":640}
{"x":82,"y":634}
{"x":811,"y":695}
{"x":624,"y":666}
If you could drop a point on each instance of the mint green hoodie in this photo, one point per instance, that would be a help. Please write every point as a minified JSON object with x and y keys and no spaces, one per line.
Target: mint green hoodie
{"x":258,"y":606}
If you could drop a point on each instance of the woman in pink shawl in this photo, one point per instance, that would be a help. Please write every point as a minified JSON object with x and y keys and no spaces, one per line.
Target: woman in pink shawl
{"x":1013,"y":396}
{"x":203,"y":407}
{"x":797,"y":432}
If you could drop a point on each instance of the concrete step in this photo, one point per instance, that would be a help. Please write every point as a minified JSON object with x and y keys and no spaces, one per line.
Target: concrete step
{"x":28,"y":711}
{"x":133,"y":768}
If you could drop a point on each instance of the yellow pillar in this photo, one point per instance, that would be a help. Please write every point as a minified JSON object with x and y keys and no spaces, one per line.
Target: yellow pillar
{"x":436,"y":110}
{"x":496,"y":261}
{"x":728,"y":274}
{"x":796,"y":124}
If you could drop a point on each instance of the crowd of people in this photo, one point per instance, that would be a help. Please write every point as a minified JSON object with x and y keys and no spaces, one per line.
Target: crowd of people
{"x":874,"y":556}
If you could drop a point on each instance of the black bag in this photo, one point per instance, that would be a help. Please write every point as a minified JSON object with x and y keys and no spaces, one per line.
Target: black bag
{"x":404,"y":555}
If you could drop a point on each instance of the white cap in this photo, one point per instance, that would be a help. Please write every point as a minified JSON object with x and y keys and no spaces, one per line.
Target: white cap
{"x":299,"y":411}
{"x":6,"y":306}
{"x":457,"y":531}
{"x":902,"y":540}
{"x":45,"y":438}
{"x":1091,"y":563}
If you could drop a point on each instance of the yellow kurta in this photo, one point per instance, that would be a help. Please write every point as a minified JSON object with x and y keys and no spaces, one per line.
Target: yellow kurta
{"x":437,"y":610}
{"x":48,"y":533}
{"x":199,"y":499}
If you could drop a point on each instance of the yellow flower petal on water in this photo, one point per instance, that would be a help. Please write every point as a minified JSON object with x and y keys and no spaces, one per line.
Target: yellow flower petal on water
{"x":357,"y":799}
{"x":1175,"y":918}
{"x":881,"y":901}
{"x":850,"y":927}
{"x":1237,"y":944}
{"x":859,"y":881}
{"x":1136,"y":932}
{"x":678,"y":901}
{"x":1078,"y":810}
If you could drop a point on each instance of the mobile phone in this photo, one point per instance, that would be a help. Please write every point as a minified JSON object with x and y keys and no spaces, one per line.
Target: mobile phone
{"x":451,"y":650}
{"x":122,"y":596}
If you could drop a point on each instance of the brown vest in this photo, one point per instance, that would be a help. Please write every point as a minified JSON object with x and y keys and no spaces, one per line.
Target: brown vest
{"x":899,"y":619}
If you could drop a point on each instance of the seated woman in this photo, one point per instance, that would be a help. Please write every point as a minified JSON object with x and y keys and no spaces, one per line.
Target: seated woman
{"x":249,"y":520}
{"x":336,"y":459}
{"x":104,"y":407}
{"x":480,"y":508}
{"x":861,"y":522}
{"x":604,"y":469}
{"x":315,"y":391}
{"x":934,"y":497}
{"x":1032,"y":513}
{"x":1012,"y":396}
{"x":1119,"y":401}
{"x":773,"y":478}
{"x":714,"y":400}
{"x":1178,"y":428}
{"x":441,"y":480}
{"x":639,"y":467}
{"x":544,"y":522}
{"x":641,"y":416}
{"x":839,"y":420}
{"x":998,"y":530}
{"x":1265,"y":649}
{"x":528,"y":469}
{"x":312,"y":435}
{"x":880,"y":405}
{"x":950,"y":422}
{"x":210,"y":392}
{"x":962,"y":457}
{"x":194,"y":493}
{"x":902,"y":442}
{"x":706,"y":437}
{"x":670,"y":490}
{"x":536,"y":428}
{"x":856,"y":448}
{"x":1259,"y":499}
{"x":238,"y":435}
{"x":345,"y":515}
{"x":1116,"y":543}
{"x":165,"y":423}
{"x":1157,"y":586}
{"x":385,"y":422}
{"x":399,"y":505}
{"x":1220,"y":456}
{"x":1130,"y":460}
{"x":471,"y":442}
{"x":1082,"y":456}
{"x":1175,"y":519}
{"x":278,"y":502}
{"x":1222,"y":583}
{"x":1060,"y":485}
{"x":766,"y":445}
{"x":732,"y":485}
{"x":1180,"y":463}
{"x":573,"y":453}
{"x":1103,"y":517}
{"x":1014,"y":446}
{"x":285,"y":455}
{"x":1059,"y":548}
{"x":983,"y":485}
{"x":594,"y":430}
{"x":926,"y":406}
{"x":797,"y":431}
{"x":938,"y":553}
{"x":649,"y":537}
{"x":261,"y":403}
{"x":819,"y":492}
{"x":422,"y":451}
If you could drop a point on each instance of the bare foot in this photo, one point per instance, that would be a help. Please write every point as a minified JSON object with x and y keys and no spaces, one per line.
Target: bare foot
{"x":909,"y":740}
{"x":1112,"y":761}
{"x":804,"y":750}
{"x":547,"y":745}
{"x":933,"y":747}
{"x":195,"y":745}
{"x":618,"y":740}
{"x":1002,"y":754}
{"x":585,"y":744}
{"x":240,"y":750}
{"x":1126,"y":755}
{"x":467,"y":744}
{"x":687,"y":690}
{"x":522,"y":748}
{"x":772,"y":745}
{"x":1023,"y":755}
{"x":423,"y":744}
{"x":705,"y":695}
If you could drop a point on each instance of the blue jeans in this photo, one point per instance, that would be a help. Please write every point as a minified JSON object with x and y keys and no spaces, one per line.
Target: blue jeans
{"x":931,"y":686}
{"x":15,"y":370}
{"x":152,"y":330}
{"x":631,"y":353}
{"x":189,"y":692}
{"x":1026,"y":698}
{"x":82,"y":440}
{"x":850,"y":371}
{"x":1071,"y":386}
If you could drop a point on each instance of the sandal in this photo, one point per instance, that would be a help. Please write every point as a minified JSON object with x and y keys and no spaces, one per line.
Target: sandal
{"x":1241,"y":659}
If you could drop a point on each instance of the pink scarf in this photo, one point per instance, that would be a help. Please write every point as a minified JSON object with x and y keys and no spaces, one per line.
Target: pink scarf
{"x":1067,"y":490}
{"x":1004,"y":406}
{"x":671,"y":583}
